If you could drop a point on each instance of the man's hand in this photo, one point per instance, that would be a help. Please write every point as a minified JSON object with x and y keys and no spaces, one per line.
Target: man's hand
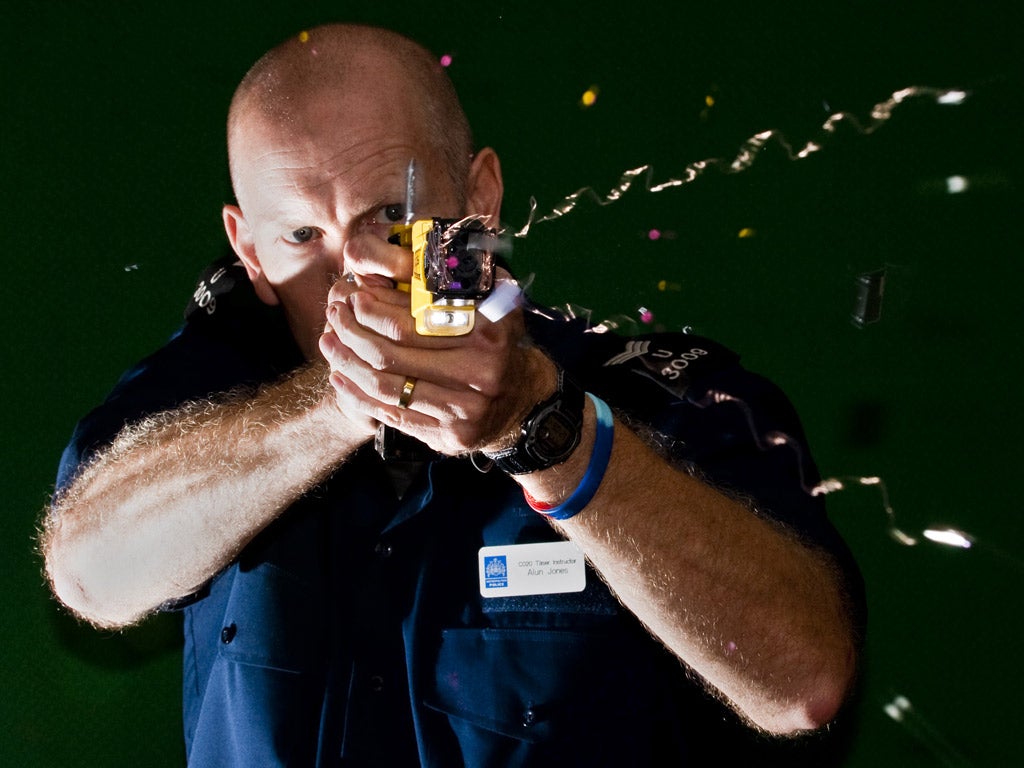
{"x":469,"y":392}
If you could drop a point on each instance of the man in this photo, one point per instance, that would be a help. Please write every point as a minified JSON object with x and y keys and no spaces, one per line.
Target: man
{"x":336,"y":605}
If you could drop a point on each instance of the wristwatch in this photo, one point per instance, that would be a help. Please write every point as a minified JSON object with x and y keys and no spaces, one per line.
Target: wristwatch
{"x":549,"y":434}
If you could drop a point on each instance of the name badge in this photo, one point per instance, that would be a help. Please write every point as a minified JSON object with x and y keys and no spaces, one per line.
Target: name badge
{"x":532,"y":569}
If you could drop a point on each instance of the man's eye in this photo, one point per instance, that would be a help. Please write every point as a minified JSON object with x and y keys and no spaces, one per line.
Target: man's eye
{"x":394,"y":212}
{"x":302,"y":235}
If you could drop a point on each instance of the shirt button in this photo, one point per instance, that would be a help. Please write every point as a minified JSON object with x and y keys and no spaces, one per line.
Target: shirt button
{"x":376,"y":683}
{"x":384,"y":549}
{"x":228,"y":633}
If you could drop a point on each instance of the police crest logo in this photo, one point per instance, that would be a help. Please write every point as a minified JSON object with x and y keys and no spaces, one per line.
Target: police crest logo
{"x":495,"y":572}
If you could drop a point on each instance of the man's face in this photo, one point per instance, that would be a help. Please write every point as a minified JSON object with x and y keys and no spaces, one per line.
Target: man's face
{"x":337,"y":170}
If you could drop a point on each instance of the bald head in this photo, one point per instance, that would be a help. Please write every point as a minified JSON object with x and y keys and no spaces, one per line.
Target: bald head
{"x":327,"y":62}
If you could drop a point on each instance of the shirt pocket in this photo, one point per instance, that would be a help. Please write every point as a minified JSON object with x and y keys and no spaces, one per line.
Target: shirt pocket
{"x":551,"y":693}
{"x":271,"y":621}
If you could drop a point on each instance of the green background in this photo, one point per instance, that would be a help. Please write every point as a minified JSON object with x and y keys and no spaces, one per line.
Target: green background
{"x":113,"y":174}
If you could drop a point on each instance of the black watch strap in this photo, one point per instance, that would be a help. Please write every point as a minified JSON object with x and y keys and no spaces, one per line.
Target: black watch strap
{"x":549,"y":434}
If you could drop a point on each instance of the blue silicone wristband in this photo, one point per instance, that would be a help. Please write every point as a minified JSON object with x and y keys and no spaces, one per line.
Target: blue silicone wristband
{"x":599,"y":456}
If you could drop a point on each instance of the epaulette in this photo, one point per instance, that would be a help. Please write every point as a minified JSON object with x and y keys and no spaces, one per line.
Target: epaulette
{"x":222,"y":284}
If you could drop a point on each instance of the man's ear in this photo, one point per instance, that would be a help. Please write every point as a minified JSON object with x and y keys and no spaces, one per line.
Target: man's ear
{"x":243,"y":244}
{"x":484,"y":188}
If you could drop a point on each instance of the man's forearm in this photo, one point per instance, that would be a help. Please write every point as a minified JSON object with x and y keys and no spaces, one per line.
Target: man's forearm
{"x":175,"y":498}
{"x":755,"y":612}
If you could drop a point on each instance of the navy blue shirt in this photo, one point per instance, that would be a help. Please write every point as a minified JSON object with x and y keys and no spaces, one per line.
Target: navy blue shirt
{"x":352,"y":632}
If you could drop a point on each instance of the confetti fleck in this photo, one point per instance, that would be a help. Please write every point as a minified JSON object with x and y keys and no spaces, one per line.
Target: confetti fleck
{"x":956,"y":184}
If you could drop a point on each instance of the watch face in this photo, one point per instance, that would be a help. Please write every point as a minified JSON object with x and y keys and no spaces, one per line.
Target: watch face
{"x":549,"y":434}
{"x":553,"y":436}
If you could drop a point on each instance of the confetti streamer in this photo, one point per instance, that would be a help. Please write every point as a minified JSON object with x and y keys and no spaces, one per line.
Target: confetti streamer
{"x":745,"y":157}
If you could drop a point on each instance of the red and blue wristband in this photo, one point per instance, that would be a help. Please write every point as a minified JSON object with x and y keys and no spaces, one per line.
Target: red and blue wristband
{"x":599,"y":457}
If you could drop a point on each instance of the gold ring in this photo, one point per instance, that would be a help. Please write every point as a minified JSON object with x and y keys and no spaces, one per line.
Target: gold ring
{"x":406,"y":397}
